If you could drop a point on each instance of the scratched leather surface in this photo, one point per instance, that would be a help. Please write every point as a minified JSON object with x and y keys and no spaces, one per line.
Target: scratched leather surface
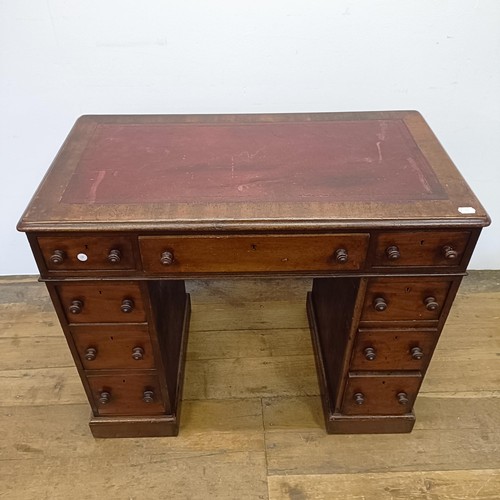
{"x":368,"y":160}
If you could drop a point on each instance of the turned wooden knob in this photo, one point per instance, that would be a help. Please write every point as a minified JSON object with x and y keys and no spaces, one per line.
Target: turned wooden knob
{"x":403,"y":398}
{"x":57,"y":257}
{"x":137,"y":353}
{"x":127,"y":305}
{"x":379,"y":304}
{"x":430,"y":303}
{"x":449,"y":252}
{"x":90,"y":353}
{"x":104,"y":398}
{"x":392,"y":252}
{"x":114,"y":256}
{"x":167,"y":258}
{"x":76,"y":307}
{"x":148,"y":396}
{"x":417,"y":353}
{"x":341,"y":255}
{"x":370,"y":353}
{"x":359,"y":398}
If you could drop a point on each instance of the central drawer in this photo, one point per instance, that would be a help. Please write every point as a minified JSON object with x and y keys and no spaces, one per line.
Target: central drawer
{"x":257,"y":253}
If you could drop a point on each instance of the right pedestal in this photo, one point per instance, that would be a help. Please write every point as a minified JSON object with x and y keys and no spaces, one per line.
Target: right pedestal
{"x":373,"y":339}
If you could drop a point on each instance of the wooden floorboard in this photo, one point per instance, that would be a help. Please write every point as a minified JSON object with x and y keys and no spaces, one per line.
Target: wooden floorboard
{"x":450,"y":485}
{"x":252,"y":425}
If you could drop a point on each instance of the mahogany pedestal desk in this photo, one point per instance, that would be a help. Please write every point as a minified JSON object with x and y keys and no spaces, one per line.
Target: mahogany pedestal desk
{"x":368,"y":205}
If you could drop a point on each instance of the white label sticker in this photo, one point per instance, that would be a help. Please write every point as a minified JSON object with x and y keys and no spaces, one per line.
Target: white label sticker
{"x":82,"y":257}
{"x":467,"y":210}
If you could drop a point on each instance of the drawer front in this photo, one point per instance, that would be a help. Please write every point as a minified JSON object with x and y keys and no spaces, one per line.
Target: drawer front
{"x":113,"y":346}
{"x":126,"y":394}
{"x":380,"y":395}
{"x":401,"y":299}
{"x":99,"y":302}
{"x":87,"y":253}
{"x":223,"y":254}
{"x":417,"y":249}
{"x":393,"y":349}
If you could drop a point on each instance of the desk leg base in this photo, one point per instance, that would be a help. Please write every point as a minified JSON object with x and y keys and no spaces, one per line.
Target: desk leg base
{"x":125,"y":427}
{"x":338,"y":423}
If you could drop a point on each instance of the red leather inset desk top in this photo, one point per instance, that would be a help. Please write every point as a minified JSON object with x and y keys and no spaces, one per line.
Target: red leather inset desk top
{"x":370,"y":160}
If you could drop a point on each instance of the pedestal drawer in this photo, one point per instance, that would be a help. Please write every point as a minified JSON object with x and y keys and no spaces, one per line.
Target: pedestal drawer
{"x":113,"y":346}
{"x":381,"y":394}
{"x":393,"y":349}
{"x":258,"y":253}
{"x":128,"y":394}
{"x":101,"y":302}
{"x":404,"y":299}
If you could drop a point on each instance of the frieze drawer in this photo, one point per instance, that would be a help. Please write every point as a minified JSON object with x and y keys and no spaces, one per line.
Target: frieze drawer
{"x":81,"y":254}
{"x":259,"y":253}
{"x":420,"y":249}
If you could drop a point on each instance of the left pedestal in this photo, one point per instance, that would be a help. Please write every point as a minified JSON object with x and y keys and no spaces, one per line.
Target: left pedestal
{"x":128,"y":340}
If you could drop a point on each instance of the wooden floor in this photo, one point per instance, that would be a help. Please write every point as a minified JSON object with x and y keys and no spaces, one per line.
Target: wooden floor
{"x":251,"y":424}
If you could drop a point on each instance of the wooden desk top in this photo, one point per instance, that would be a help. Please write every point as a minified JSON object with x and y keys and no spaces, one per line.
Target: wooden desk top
{"x":251,"y":172}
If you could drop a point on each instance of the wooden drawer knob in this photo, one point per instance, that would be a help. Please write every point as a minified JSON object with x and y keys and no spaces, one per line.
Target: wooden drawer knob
{"x":90,"y":353}
{"x":430,"y":303}
{"x":104,"y":398}
{"x":114,"y":256}
{"x":57,"y":257}
{"x":403,"y":398}
{"x":449,"y":252}
{"x":76,"y":307}
{"x":137,"y":353}
{"x":359,"y":398}
{"x":370,"y":353}
{"x":127,"y":305}
{"x":148,"y":396}
{"x":167,"y":258}
{"x":417,"y":353}
{"x":341,"y":255}
{"x":379,"y":304}
{"x":392,"y":252}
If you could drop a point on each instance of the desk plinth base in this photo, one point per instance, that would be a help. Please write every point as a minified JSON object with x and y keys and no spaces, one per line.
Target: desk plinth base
{"x":338,"y":423}
{"x":151,"y":426}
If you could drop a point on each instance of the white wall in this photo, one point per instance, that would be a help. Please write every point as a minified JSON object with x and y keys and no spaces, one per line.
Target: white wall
{"x":63,"y":58}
